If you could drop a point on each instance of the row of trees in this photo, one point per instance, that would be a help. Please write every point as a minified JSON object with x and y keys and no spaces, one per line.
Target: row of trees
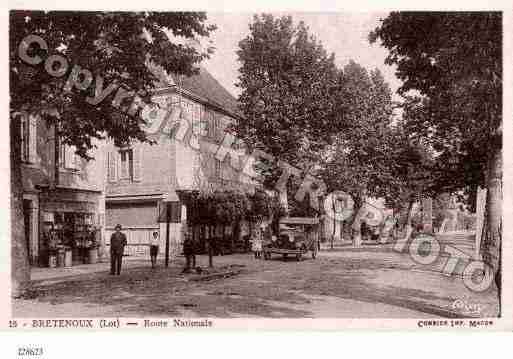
{"x":338,"y":123}
{"x":451,"y":67}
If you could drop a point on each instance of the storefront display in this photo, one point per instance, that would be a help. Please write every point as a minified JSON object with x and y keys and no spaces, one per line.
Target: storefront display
{"x":70,"y":239}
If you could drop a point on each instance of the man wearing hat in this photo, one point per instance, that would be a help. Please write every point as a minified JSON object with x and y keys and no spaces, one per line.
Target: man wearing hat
{"x":117,"y":247}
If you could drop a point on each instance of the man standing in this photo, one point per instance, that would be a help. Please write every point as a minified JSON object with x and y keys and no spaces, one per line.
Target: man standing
{"x":117,"y":247}
{"x":189,"y":252}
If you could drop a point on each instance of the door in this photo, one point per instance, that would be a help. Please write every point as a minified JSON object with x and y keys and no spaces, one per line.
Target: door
{"x":27,"y":214}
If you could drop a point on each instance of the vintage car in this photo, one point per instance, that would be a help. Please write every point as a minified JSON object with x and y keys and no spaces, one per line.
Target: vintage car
{"x":297,"y":236}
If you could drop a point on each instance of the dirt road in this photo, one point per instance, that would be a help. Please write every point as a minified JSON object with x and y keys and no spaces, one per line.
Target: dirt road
{"x":337,"y":284}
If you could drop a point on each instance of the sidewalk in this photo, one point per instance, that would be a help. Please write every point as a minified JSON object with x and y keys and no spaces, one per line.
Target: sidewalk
{"x":44,"y":276}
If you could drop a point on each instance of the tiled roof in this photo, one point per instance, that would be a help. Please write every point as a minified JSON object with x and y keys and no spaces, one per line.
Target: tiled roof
{"x":204,"y":85}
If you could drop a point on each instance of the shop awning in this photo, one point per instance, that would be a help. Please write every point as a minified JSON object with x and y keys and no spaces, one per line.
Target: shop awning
{"x":135,"y":198}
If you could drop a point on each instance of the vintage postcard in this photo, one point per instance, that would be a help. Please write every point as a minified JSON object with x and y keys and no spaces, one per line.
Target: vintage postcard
{"x":181,"y":170}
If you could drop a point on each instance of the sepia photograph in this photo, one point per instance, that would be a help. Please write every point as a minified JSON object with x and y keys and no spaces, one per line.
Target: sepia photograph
{"x":182,"y":167}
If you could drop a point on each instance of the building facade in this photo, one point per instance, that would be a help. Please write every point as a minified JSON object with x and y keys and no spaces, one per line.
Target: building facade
{"x":145,"y":181}
{"x":61,"y":191}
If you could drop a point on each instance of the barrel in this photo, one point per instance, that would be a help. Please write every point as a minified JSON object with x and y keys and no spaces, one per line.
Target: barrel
{"x":61,"y":254}
{"x":92,"y":256}
{"x":52,"y":261}
{"x":68,"y":257}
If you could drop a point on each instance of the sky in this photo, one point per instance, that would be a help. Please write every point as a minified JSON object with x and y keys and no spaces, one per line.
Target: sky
{"x":344,"y":34}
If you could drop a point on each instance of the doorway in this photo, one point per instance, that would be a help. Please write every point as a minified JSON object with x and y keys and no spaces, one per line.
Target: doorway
{"x":27,"y":219}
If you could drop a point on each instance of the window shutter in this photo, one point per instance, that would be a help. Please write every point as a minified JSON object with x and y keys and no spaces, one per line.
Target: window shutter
{"x":137,"y":163}
{"x":23,"y":138}
{"x":32,"y":147}
{"x":77,"y":160}
{"x":215,"y":122}
{"x":68,"y":156}
{"x":119,"y":165}
{"x":123,"y":164}
{"x":204,"y":123}
{"x":211,"y":124}
{"x":111,"y":160}
{"x":62,"y":155}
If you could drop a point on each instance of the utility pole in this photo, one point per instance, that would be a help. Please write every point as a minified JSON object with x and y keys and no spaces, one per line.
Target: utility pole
{"x":168,"y":219}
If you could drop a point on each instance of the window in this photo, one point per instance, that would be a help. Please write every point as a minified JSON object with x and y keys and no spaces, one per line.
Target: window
{"x":28,"y":139}
{"x":68,"y":158}
{"x":129,"y":162}
{"x":210,"y":124}
{"x":196,"y":119}
{"x":196,"y":115}
{"x":111,"y":166}
{"x":126,"y":164}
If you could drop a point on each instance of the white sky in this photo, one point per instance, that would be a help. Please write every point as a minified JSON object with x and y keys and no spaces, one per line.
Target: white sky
{"x":344,"y":34}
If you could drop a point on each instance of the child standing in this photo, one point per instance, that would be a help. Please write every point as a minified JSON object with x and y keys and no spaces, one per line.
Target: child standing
{"x":257,"y":242}
{"x":154,"y":248}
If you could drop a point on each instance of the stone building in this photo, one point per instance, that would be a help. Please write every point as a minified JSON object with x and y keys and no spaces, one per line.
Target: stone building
{"x":65,"y":196}
{"x":145,"y":180}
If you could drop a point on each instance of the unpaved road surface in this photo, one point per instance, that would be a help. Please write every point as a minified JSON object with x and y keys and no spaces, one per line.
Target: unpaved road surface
{"x":348,"y":284}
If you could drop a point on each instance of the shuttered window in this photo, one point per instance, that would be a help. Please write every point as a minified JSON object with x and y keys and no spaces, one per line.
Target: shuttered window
{"x":130,"y":164}
{"x":67,"y":157}
{"x":111,"y":166}
{"x":125,"y":164}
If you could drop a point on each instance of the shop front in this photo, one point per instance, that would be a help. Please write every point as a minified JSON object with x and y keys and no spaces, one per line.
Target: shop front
{"x":70,"y":225}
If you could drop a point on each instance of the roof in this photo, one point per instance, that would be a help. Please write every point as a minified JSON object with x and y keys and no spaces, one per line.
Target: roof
{"x":203,"y":85}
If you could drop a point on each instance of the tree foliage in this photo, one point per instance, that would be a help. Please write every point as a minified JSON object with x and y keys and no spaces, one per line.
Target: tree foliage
{"x":229,"y":206}
{"x":118,"y":46}
{"x":289,"y":84}
{"x":451,"y":67}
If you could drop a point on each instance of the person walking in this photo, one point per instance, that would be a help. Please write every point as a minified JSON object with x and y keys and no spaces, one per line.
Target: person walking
{"x":154,"y":248}
{"x":117,"y":247}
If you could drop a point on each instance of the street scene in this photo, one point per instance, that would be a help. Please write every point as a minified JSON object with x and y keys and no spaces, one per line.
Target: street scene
{"x":225,"y":165}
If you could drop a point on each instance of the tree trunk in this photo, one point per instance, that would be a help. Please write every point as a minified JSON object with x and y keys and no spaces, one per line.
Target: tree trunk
{"x":211,"y":246}
{"x":20,"y":269}
{"x":235,"y":233}
{"x":356,"y":227}
{"x":334,"y":224}
{"x":409,"y":215}
{"x":492,"y":241}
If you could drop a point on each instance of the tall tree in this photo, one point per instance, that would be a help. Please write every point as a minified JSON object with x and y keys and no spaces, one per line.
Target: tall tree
{"x":288,"y":84}
{"x":451,"y":67}
{"x":116,"y":48}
